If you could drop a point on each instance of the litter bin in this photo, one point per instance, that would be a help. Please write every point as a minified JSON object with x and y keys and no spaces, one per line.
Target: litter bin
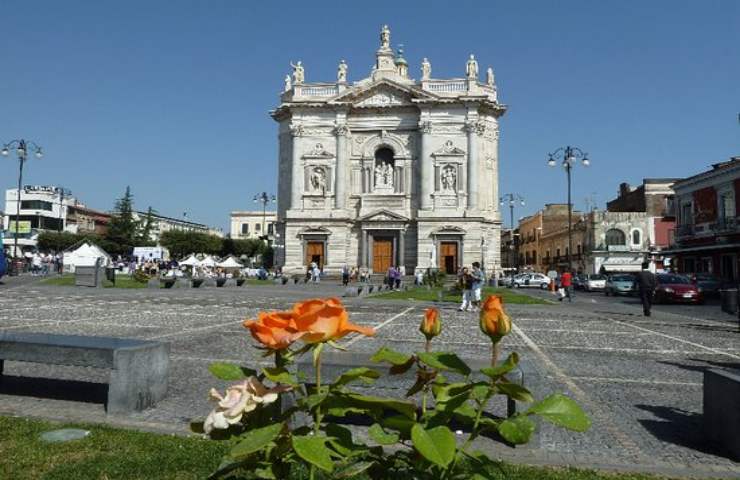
{"x":728,"y":298}
{"x":110,"y":274}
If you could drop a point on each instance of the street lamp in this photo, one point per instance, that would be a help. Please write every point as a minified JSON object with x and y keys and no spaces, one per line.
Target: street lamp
{"x":512,"y":198}
{"x":265,"y":198}
{"x":21,"y":152}
{"x":568,"y":156}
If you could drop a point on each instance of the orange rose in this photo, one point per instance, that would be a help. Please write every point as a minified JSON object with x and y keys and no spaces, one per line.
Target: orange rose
{"x":322,"y":320}
{"x":431,"y":325}
{"x":493,"y":320}
{"x":274,"y":330}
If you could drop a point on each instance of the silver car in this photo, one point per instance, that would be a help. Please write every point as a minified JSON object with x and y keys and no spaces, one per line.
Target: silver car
{"x":595,"y":282}
{"x":619,"y":284}
{"x":531,"y":280}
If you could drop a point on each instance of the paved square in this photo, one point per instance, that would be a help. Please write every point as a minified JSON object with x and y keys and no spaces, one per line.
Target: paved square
{"x":639,"y":378}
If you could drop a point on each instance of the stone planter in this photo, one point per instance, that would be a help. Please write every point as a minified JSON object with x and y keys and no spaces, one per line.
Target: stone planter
{"x":197,"y":282}
{"x":167,"y":282}
{"x":240,"y":281}
{"x":220,"y":282}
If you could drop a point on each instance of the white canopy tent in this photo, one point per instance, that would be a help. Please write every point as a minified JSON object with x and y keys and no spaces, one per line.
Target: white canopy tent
{"x":230,"y":262}
{"x":208,"y":262}
{"x":85,"y":255}
{"x":191,"y":261}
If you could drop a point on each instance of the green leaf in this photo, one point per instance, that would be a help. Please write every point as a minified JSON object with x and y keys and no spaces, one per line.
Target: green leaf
{"x":517,"y":392}
{"x":436,"y":444}
{"x":417,"y":386}
{"x":407,"y":409}
{"x":230,"y":371}
{"x":500,"y":370}
{"x":465,"y":413}
{"x":317,"y":354}
{"x":336,"y":345}
{"x":341,"y":439}
{"x":353,"y":470}
{"x":562,"y":411}
{"x":313,"y":449}
{"x":280,"y":375}
{"x":398,"y":423}
{"x":255,"y":440}
{"x":265,"y":472}
{"x":365,"y":374}
{"x":315,"y":399}
{"x":385,"y":354}
{"x":444,"y":361}
{"x":442,"y":393}
{"x":380,"y":436}
{"x":402,"y":368}
{"x":516,"y":430}
{"x":480,"y":391}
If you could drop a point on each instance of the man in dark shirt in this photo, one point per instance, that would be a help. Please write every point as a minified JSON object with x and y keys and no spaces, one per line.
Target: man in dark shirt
{"x":646,"y":283}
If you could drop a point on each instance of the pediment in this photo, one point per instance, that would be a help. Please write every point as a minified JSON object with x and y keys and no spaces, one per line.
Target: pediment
{"x":383,"y":216}
{"x":448,"y":149}
{"x":315,"y":231}
{"x":383,"y":93}
{"x":449,"y":230}
{"x":318,"y":151}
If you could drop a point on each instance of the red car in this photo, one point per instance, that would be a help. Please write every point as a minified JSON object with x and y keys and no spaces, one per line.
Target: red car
{"x":676,"y":288}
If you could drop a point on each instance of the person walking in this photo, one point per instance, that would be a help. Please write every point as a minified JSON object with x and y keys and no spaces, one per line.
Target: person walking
{"x":345,"y":275}
{"x":478,"y":279}
{"x":465,"y":281}
{"x":646,"y":283}
{"x":566,"y":283}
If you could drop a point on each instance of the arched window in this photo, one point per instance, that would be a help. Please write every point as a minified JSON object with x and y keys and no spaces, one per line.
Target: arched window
{"x":615,"y":237}
{"x":636,"y":237}
{"x":384,"y":170}
{"x":384,"y":155}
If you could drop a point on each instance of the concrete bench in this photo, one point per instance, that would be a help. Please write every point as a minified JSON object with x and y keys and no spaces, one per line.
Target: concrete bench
{"x":139,"y":368}
{"x":722,"y":410}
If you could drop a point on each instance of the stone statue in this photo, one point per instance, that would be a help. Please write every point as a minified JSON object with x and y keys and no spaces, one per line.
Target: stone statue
{"x":318,"y":179}
{"x":448,"y":179}
{"x":342,"y":72}
{"x":288,"y":86}
{"x":426,"y":69}
{"x":490,"y":79}
{"x":298,"y":73}
{"x":383,"y":175}
{"x":385,"y":37}
{"x":471,"y":69}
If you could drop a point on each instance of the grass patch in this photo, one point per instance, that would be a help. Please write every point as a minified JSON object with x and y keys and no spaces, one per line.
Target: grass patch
{"x":431,"y":295}
{"x":68,"y":280}
{"x":112,"y":453}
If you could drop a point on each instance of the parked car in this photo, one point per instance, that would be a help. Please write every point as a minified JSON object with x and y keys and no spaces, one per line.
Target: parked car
{"x":531,"y":280}
{"x":579,"y":281}
{"x":707,"y":284}
{"x":620,"y":284}
{"x":676,"y":288}
{"x":506,"y":281}
{"x":595,"y":282}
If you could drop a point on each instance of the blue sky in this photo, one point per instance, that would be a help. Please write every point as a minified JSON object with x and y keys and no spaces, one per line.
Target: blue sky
{"x":172,"y":98}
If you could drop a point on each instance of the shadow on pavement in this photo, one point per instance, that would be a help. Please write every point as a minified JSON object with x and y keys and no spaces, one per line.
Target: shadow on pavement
{"x":677,"y":426}
{"x":702,"y":368}
{"x":71,"y":390}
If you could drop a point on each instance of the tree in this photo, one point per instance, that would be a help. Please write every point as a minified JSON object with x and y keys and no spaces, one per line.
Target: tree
{"x":123,"y":228}
{"x":181,"y":243}
{"x":147,"y":225}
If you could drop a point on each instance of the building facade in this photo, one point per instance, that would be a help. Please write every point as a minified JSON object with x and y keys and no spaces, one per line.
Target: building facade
{"x":162,"y":224}
{"x":389,"y":170}
{"x":246,"y":225}
{"x":707,"y":235}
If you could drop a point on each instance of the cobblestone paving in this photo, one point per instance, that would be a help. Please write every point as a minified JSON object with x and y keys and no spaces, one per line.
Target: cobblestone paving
{"x":639,"y":378}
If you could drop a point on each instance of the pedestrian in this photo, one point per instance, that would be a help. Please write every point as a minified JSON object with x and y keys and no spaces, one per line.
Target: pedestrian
{"x":465,"y":281}
{"x":646,"y":283}
{"x":345,"y":275}
{"x":396,"y":278}
{"x":566,"y":283}
{"x":478,"y":279}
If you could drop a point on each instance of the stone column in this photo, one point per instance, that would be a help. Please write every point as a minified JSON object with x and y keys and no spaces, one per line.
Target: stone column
{"x":472,"y":173}
{"x":401,"y":248}
{"x":395,"y":251}
{"x":426,"y":167}
{"x":369,"y":251}
{"x":363,"y":250}
{"x":297,"y":168}
{"x":340,"y":180}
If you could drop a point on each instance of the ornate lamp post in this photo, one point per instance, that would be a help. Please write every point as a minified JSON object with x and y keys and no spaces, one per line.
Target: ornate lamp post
{"x":265,"y":198}
{"x":512,"y":198}
{"x":21,"y":151}
{"x":568,"y":156}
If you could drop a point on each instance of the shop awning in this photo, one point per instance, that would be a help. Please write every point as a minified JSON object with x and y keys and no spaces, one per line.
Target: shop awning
{"x":623,"y":264}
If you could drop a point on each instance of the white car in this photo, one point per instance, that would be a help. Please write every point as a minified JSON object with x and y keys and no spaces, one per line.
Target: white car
{"x":531,"y":280}
{"x":594,"y":282}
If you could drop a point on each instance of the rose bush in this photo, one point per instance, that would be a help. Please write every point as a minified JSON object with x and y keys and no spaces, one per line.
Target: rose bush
{"x":270,"y":439}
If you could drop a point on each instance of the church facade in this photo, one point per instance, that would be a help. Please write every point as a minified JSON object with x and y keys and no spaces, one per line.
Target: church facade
{"x":389,"y":170}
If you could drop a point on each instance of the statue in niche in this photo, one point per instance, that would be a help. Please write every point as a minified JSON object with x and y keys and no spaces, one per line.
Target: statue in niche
{"x":342,"y":72}
{"x":449,"y":179}
{"x":318,"y":180}
{"x":426,"y":69}
{"x":490,"y":79}
{"x":383,"y":175}
{"x":385,"y":37}
{"x":288,"y":86}
{"x":471,"y":68}
{"x":298,"y":72}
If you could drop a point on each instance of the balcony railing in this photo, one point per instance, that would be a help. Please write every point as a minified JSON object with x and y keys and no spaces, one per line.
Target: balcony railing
{"x":726,"y":224}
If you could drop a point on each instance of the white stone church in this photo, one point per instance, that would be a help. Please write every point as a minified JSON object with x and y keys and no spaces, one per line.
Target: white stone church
{"x":389,"y":170}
